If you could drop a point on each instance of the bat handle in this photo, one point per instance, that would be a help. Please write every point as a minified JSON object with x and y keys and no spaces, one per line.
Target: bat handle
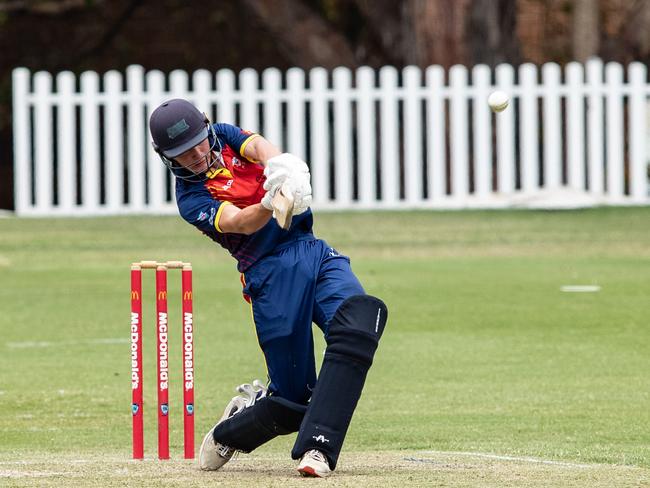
{"x":283,"y":206}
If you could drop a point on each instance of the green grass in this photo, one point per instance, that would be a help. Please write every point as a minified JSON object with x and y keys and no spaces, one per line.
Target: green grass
{"x":482,"y":352}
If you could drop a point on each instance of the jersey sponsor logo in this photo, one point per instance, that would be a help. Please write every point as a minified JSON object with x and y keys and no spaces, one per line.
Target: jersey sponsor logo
{"x":202,"y":216}
{"x":228,"y":185}
{"x":320,"y":438}
{"x":238,"y":163}
{"x":177,"y":129}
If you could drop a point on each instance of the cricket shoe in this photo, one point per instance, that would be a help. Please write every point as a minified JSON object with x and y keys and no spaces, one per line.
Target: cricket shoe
{"x":213,"y":455}
{"x":314,"y":464}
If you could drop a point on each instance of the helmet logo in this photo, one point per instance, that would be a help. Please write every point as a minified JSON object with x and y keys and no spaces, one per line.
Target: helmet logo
{"x":177,"y":129}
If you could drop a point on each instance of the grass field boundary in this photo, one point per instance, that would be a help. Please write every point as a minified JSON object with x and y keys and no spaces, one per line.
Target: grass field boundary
{"x":523,"y":459}
{"x":412,"y":458}
{"x":87,"y":342}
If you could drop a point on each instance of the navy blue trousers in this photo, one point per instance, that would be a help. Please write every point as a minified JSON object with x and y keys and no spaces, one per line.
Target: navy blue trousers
{"x":302,"y":283}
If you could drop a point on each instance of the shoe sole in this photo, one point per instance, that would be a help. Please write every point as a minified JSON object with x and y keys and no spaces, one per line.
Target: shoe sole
{"x":309,"y":472}
{"x":229,"y":412}
{"x":207,"y":438}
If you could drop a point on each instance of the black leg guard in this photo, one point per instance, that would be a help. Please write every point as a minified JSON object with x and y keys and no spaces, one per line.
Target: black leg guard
{"x":269,"y":417}
{"x":353,"y":337}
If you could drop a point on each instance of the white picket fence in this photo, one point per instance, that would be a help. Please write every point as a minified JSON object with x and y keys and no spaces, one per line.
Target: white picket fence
{"x":373,"y":138}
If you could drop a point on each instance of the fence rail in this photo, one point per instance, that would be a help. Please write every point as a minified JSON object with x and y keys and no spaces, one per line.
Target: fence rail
{"x":373,"y":138}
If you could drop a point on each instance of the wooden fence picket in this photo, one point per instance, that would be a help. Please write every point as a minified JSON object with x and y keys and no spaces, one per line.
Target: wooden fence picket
{"x":382,"y":138}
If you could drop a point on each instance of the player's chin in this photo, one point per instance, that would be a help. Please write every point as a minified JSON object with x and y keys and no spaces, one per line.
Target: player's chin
{"x":199,"y":170}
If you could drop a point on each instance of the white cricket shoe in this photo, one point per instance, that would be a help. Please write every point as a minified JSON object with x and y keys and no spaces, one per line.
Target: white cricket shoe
{"x":214,"y":455}
{"x":314,"y":464}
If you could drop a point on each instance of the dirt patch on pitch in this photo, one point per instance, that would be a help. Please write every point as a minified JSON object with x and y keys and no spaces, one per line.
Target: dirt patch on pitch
{"x":382,"y":469}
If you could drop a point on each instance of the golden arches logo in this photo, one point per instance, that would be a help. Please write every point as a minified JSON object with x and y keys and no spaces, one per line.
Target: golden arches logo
{"x":187,"y":295}
{"x":162,"y":295}
{"x":135,"y":295}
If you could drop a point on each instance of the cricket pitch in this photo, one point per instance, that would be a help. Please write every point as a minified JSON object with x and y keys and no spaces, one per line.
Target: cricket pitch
{"x":384,"y":469}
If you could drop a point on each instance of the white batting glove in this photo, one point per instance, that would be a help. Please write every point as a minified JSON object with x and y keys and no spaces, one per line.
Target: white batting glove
{"x":289,"y":169}
{"x":266,"y":201}
{"x":288,"y":162}
{"x":302,"y":206}
{"x":275,"y":179}
{"x":299,"y":185}
{"x":272,"y":184}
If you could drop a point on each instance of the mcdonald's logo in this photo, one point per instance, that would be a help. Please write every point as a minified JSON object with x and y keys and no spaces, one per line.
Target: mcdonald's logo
{"x":187,"y":295}
{"x":162,"y":295}
{"x":135,"y":295}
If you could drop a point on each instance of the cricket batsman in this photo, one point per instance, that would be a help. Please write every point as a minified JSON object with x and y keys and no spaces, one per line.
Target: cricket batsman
{"x":226,"y":181}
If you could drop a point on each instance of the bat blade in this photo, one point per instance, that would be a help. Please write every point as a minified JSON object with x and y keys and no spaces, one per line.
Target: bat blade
{"x":283,"y":205}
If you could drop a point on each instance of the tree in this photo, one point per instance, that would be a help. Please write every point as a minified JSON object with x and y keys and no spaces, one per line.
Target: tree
{"x":637,"y":30}
{"x":491,"y":32}
{"x":586,"y":29}
{"x":45,"y":7}
{"x":382,"y":20}
{"x":303,"y":36}
{"x":435,"y":32}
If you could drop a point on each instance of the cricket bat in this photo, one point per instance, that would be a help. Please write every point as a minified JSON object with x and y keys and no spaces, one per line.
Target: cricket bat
{"x":282,"y":203}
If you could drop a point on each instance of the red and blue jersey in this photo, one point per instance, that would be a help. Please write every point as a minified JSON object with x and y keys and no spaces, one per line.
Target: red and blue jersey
{"x":239,"y":182}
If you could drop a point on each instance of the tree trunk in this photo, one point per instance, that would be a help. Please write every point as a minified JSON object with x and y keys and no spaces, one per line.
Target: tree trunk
{"x":435,"y":32}
{"x":586,"y":29}
{"x":303,"y":36}
{"x":637,"y":30}
{"x":45,"y":7}
{"x":492,"y":32}
{"x":383,"y":18}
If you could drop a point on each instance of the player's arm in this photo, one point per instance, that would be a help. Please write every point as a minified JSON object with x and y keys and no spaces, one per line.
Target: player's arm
{"x":199,"y":208}
{"x":260,"y":150}
{"x":243,"y":221}
{"x":283,"y":170}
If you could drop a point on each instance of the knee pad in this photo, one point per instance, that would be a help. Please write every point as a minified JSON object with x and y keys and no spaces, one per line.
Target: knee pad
{"x":356,"y":328}
{"x":352,"y":340}
{"x":266,"y":419}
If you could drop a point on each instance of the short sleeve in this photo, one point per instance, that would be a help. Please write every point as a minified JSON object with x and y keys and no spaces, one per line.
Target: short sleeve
{"x":234,"y":136}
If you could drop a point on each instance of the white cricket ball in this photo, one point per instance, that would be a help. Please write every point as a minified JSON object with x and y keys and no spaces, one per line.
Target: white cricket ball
{"x":498,"y":101}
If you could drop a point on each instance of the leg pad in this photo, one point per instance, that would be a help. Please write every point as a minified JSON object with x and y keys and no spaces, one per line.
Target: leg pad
{"x":266,"y":419}
{"x":352,"y":340}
